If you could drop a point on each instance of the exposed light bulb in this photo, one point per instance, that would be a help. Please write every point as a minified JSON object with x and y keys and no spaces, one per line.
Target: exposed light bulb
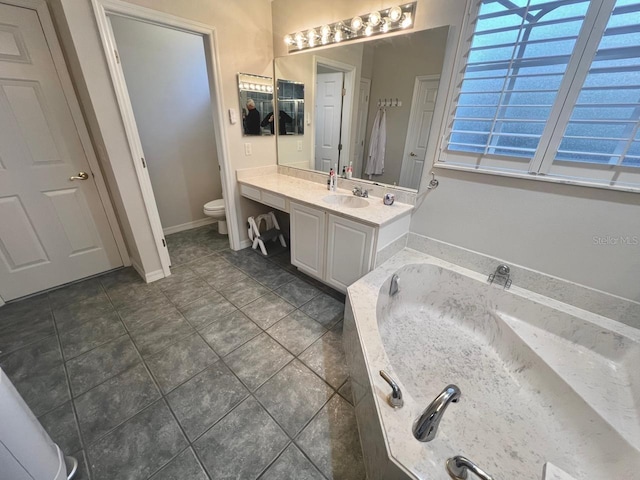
{"x":337,"y":37}
{"x":356,"y":24}
{"x":288,"y":39}
{"x":374,"y":18}
{"x":325,"y":31}
{"x":269,"y":88}
{"x":386,"y":24}
{"x":324,"y":40}
{"x":299,"y":37}
{"x":406,"y":20}
{"x":312,"y":35}
{"x":368,"y":30}
{"x":395,"y":13}
{"x":312,"y":42}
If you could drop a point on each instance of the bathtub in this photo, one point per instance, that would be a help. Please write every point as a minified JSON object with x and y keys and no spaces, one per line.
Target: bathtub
{"x":542,"y":381}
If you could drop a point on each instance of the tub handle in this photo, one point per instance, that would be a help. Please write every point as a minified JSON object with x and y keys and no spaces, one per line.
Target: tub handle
{"x":395,"y":397}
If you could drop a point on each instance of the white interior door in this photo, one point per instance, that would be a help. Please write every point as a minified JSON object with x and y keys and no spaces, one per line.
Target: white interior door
{"x":53,"y":230}
{"x":328,"y":119}
{"x":420,"y":117}
{"x":363,"y":114}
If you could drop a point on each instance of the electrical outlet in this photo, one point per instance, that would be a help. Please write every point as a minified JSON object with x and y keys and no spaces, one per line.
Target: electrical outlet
{"x":299,"y":145}
{"x":247,"y":149}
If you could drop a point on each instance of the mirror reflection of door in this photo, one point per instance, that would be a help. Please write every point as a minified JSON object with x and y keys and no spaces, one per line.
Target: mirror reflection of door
{"x":363,"y":114}
{"x":415,"y":149}
{"x":328,"y":108}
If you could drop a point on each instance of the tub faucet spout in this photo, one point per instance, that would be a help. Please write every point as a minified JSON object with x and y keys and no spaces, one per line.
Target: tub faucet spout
{"x":426,"y":426}
{"x":458,"y":466}
{"x":394,"y":287}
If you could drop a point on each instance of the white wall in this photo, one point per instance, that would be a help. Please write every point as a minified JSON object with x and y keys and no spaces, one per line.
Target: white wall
{"x":244,"y":44}
{"x":543,"y":226}
{"x":166,"y":76}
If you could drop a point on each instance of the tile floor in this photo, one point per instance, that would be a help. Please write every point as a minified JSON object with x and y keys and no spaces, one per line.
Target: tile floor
{"x":232,"y":368}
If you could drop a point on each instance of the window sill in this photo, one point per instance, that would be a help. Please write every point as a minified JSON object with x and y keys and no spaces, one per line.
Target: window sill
{"x":538,"y":178}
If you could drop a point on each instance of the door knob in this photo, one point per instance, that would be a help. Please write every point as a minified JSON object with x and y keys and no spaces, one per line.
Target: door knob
{"x":80,"y":176}
{"x":412,"y":154}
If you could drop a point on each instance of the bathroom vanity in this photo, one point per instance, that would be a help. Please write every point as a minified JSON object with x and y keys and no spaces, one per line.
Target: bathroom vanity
{"x":336,"y":237}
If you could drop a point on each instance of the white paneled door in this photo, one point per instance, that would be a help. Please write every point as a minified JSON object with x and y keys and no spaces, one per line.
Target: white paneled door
{"x":329,"y":90}
{"x":53,"y":229}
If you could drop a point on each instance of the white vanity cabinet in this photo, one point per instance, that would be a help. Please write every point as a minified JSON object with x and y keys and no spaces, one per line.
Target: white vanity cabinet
{"x":308,"y":227}
{"x":349,"y":251}
{"x":331,"y":248}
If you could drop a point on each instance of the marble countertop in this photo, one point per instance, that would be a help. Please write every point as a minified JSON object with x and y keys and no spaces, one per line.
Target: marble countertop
{"x":312,"y":194}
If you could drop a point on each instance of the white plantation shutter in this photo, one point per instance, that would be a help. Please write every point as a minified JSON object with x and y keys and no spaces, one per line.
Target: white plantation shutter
{"x":525,"y":81}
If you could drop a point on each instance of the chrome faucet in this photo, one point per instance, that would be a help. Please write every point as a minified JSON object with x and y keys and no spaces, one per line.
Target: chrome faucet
{"x":358,"y":192}
{"x":395,"y":397}
{"x":426,"y":426}
{"x":457,"y":468}
{"x":502,"y":276}
{"x":395,"y":281}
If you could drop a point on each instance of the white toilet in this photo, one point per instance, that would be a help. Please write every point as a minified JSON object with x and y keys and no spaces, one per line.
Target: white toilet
{"x":215,"y":209}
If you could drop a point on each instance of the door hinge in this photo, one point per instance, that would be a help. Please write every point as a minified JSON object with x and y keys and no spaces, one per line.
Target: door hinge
{"x":339,"y":147}
{"x":115,"y":52}
{"x":164,"y":244}
{"x":344,"y":92}
{"x":144,"y":164}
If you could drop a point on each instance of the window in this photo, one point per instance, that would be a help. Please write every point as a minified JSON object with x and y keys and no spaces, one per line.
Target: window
{"x":550,"y":87}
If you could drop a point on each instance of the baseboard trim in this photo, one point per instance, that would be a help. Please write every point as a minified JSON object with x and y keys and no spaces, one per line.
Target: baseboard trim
{"x":245,"y":243}
{"x":1,"y":302}
{"x":189,"y":225}
{"x":147,"y":277}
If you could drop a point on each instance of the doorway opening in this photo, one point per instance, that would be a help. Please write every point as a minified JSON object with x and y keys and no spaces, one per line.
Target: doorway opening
{"x":182,"y":130}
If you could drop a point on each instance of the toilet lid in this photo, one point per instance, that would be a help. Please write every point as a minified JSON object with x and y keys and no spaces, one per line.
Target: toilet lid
{"x":215,"y":205}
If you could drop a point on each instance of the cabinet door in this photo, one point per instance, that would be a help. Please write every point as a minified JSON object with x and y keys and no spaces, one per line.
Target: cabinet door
{"x":308,"y":239}
{"x":349,"y":251}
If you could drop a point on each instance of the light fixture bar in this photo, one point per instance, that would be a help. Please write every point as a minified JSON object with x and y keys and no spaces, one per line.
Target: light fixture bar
{"x":378,"y":22}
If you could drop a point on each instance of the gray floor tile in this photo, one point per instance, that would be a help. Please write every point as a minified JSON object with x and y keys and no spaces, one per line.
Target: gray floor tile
{"x":184,"y":467}
{"x":180,"y":361}
{"x":72,"y":316}
{"x":61,"y":426}
{"x":243,"y":292}
{"x":206,"y":398}
{"x":257,"y":360}
{"x":76,"y":292}
{"x":331,"y":441}
{"x":101,"y":363}
{"x":206,"y":309}
{"x":242,"y":444}
{"x":44,"y":389}
{"x":30,"y":308}
{"x":138,"y":448}
{"x":183,"y":286}
{"x":273,"y":277}
{"x":91,"y":334}
{"x":229,"y":332}
{"x":19,"y":334}
{"x":145,"y":309}
{"x":208,"y":265}
{"x":112,"y":402}
{"x":126,"y":288}
{"x":297,"y":292}
{"x":159,"y":333}
{"x":346,"y":392}
{"x":292,"y":465}
{"x":293,"y":396}
{"x":296,"y":331}
{"x":324,"y":309}
{"x":182,"y":253}
{"x":326,"y":358}
{"x":29,"y":360}
{"x":267,"y":310}
{"x":223,"y":276}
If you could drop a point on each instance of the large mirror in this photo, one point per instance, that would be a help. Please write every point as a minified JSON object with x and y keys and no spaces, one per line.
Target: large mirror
{"x":256,"y":104}
{"x":368,"y":105}
{"x":290,"y":107}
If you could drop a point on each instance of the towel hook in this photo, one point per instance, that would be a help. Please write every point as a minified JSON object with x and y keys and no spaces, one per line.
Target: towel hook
{"x":433,"y":183}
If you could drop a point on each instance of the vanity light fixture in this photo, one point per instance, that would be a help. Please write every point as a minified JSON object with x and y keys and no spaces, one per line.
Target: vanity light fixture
{"x":375,"y":23}
{"x":255,"y":83}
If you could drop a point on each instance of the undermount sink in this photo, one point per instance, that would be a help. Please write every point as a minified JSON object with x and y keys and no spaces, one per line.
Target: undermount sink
{"x":346,"y":201}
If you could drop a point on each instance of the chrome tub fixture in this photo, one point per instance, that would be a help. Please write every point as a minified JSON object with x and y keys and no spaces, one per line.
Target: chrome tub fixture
{"x":458,"y":466}
{"x":395,"y":397}
{"x":426,"y":426}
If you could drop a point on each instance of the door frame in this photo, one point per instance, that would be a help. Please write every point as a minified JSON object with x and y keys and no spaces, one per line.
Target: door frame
{"x":102,"y":8}
{"x":361,"y":130}
{"x":412,"y":119}
{"x":50,"y":35}
{"x":347,"y":113}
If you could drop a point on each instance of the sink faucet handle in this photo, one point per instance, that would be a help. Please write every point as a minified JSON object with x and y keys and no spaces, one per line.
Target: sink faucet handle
{"x":395,"y":397}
